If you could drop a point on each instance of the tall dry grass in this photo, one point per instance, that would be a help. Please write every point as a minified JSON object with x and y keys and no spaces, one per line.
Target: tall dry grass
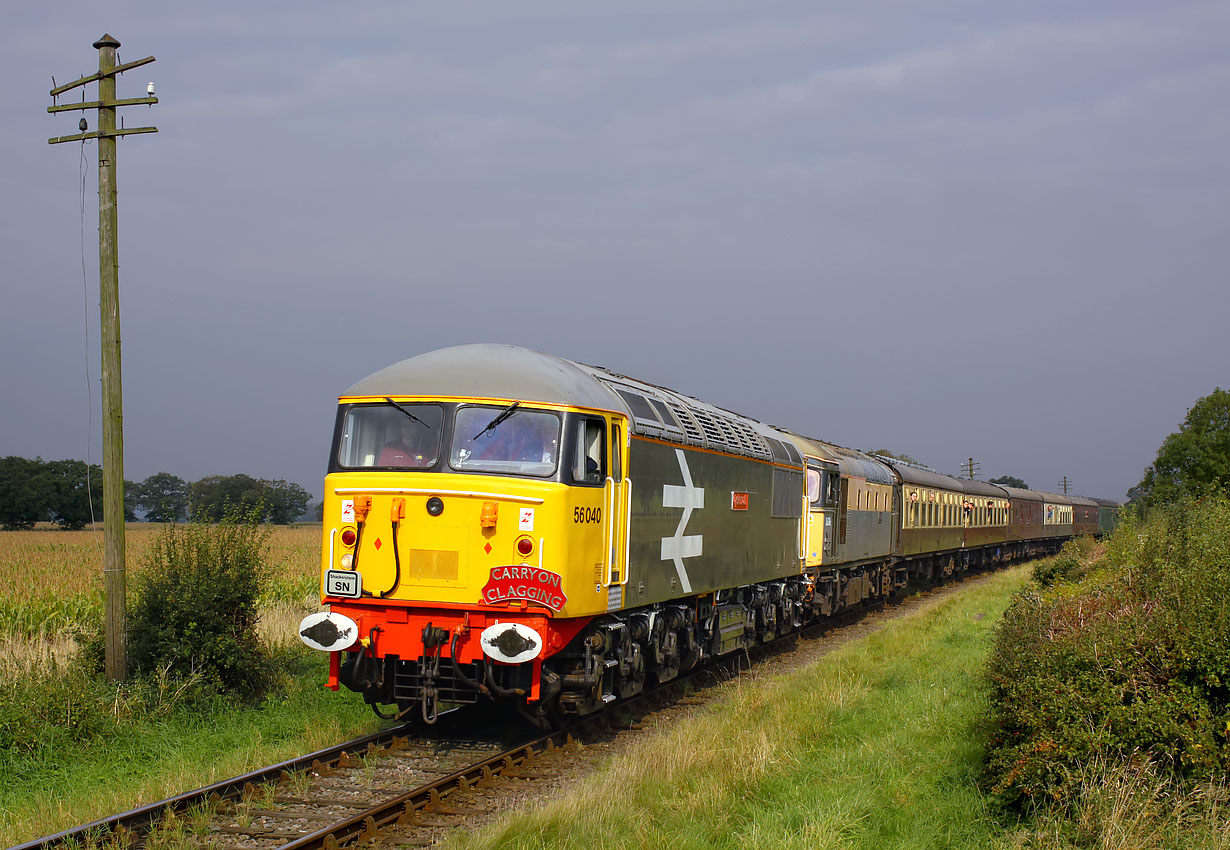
{"x":1130,"y":805}
{"x":53,"y":581}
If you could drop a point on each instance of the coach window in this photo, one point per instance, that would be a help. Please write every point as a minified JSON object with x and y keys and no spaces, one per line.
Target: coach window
{"x":589,"y":455}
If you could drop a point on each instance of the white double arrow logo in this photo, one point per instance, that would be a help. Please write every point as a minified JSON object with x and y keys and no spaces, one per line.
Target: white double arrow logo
{"x":678,"y":547}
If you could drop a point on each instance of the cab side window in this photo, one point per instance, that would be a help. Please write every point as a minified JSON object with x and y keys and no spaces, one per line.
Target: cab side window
{"x":813,"y":486}
{"x":616,"y":449}
{"x":589,"y":452}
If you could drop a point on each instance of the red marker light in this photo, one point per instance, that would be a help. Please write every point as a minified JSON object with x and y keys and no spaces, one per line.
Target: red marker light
{"x":348,"y":537}
{"x":525,"y":546}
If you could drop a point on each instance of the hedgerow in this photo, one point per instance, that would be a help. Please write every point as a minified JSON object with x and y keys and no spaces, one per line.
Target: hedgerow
{"x":1130,"y":660}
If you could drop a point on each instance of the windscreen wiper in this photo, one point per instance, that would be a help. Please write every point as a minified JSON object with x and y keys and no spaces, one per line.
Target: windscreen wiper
{"x":407,"y":412}
{"x":504,"y":414}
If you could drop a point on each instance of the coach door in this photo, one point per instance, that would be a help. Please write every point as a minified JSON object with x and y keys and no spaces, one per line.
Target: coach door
{"x":617,"y":501}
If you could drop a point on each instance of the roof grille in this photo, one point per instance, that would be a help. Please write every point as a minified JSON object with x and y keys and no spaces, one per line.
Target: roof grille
{"x":690,"y":429}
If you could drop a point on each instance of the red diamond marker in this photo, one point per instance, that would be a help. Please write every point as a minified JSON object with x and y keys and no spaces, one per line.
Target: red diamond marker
{"x":377,"y":544}
{"x":487,"y":548}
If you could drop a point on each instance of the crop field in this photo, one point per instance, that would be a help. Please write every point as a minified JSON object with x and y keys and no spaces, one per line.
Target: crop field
{"x":54,"y":578}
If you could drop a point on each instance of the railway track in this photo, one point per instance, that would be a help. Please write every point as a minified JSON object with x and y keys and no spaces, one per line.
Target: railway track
{"x":397,"y":787}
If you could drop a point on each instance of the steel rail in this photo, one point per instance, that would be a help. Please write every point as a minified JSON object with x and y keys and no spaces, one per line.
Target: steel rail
{"x":396,"y":809}
{"x":144,"y":815}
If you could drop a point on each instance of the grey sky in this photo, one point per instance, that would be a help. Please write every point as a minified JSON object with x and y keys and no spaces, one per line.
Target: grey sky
{"x":942,"y":228}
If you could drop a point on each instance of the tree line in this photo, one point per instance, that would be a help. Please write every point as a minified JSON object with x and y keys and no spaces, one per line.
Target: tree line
{"x":1193,"y":461}
{"x":69,"y":494}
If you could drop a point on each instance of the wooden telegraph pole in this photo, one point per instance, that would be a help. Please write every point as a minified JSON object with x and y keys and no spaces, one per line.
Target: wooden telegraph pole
{"x":109,"y":306}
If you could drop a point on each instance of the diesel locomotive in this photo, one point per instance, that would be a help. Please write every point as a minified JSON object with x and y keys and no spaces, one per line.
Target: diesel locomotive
{"x":500,"y":523}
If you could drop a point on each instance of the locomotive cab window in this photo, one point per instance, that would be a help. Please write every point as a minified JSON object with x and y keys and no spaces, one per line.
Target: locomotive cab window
{"x":390,"y":436}
{"x":813,"y":487}
{"x":589,"y":451}
{"x":617,"y":471}
{"x":510,"y":440}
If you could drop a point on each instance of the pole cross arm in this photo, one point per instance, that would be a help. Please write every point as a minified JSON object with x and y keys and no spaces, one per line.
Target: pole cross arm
{"x":101,"y":134}
{"x":118,"y":69}
{"x":98,"y":104}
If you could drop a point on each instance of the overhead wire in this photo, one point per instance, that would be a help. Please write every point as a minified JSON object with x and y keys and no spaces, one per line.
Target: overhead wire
{"x":83,"y":168}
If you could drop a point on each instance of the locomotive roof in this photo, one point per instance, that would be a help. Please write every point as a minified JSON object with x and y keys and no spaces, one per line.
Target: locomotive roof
{"x":491,"y":371}
{"x":862,"y":464}
{"x":514,"y":373}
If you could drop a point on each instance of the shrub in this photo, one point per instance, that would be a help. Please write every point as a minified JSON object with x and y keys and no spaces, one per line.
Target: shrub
{"x":1129,"y":660}
{"x":196,"y":605}
{"x":1071,"y":563}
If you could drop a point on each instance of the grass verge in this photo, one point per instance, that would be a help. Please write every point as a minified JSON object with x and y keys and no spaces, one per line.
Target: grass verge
{"x":127,"y":758}
{"x":871,"y":747}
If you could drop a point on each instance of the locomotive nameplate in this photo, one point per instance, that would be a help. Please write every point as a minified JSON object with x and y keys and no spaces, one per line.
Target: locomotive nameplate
{"x":525,"y":583}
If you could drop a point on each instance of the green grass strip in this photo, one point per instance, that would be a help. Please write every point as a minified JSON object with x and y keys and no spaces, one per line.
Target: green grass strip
{"x":874,"y":747}
{"x":143,"y":760}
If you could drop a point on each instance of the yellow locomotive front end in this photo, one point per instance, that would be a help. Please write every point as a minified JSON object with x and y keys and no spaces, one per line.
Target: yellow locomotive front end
{"x":465,"y":541}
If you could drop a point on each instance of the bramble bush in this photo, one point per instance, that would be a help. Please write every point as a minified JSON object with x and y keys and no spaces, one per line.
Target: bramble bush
{"x":1131,"y":660}
{"x":196,"y":605}
{"x":1071,"y":564}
